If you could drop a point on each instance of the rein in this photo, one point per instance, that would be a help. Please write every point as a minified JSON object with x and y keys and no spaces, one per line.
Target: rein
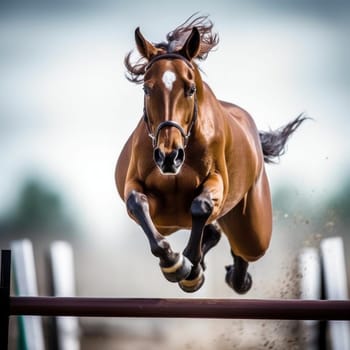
{"x":170,"y":123}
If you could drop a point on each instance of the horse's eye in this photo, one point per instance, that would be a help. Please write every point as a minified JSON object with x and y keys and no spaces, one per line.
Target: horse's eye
{"x":147,"y":90}
{"x":191,"y":90}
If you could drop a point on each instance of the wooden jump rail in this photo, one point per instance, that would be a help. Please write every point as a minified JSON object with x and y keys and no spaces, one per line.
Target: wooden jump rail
{"x":161,"y":308}
{"x":182,"y":308}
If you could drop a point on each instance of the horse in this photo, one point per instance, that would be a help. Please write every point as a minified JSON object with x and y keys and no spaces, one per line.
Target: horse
{"x":195,"y":162}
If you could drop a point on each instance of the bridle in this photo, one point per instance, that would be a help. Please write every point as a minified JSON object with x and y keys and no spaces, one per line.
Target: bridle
{"x":171,"y":123}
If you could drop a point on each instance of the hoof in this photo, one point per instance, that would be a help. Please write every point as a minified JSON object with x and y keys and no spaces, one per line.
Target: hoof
{"x":240,"y":287}
{"x":179,"y":270}
{"x":191,"y":285}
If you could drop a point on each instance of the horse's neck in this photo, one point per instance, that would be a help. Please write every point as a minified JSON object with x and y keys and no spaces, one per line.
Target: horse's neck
{"x":199,"y":83}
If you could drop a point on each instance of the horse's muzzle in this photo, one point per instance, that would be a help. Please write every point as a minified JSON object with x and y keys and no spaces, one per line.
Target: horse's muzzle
{"x":169,"y":163}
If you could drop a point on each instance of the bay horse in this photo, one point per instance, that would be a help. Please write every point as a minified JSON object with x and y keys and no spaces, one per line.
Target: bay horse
{"x":195,"y":162}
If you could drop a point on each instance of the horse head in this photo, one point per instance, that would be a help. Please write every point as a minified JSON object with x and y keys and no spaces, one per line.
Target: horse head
{"x":170,"y":99}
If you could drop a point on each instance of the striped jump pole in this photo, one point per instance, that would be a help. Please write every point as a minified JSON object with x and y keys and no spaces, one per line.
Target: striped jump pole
{"x":25,"y":284}
{"x":336,"y":287}
{"x":61,"y":260}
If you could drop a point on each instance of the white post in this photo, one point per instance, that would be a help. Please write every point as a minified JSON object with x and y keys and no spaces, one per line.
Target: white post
{"x":336,"y":288}
{"x":62,"y":267}
{"x":26,"y":285}
{"x":309,"y":267}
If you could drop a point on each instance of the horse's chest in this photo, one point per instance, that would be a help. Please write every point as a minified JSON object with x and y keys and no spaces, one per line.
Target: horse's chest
{"x":171,"y":185}
{"x":172,"y":192}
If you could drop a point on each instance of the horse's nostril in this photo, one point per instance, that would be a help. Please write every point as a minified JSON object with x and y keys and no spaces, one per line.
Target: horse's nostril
{"x":159,"y":156}
{"x":180,"y":156}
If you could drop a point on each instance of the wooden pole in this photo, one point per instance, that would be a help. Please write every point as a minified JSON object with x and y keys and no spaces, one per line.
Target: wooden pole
{"x":5,"y":282}
{"x":182,"y":308}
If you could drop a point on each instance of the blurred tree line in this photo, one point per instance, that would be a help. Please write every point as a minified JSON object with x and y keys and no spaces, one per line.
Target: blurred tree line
{"x":340,"y":204}
{"x":333,"y":211}
{"x":37,"y":209}
{"x":40,"y":209}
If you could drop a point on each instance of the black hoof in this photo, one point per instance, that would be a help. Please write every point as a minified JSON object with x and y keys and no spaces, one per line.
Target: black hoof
{"x":193,"y":283}
{"x":181,"y":269}
{"x":239,"y":285}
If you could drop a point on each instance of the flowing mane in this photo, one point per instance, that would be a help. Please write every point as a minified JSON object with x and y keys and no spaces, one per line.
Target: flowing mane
{"x":174,"y":42}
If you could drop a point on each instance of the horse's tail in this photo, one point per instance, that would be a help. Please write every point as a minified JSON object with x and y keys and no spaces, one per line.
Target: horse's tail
{"x":273,"y":142}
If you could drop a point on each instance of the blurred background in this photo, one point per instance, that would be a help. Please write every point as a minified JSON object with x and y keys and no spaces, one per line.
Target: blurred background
{"x":66,"y":111}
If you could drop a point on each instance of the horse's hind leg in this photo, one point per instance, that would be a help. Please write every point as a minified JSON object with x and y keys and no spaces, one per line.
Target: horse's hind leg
{"x":248,"y":228}
{"x":174,"y":266}
{"x":237,"y":275}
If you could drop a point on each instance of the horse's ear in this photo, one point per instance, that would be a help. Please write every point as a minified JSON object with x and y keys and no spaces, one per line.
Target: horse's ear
{"x":192,"y":45}
{"x":145,"y":48}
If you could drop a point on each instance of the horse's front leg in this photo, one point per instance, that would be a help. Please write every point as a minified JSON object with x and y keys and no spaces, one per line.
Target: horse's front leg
{"x":174,"y":266}
{"x":203,"y":207}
